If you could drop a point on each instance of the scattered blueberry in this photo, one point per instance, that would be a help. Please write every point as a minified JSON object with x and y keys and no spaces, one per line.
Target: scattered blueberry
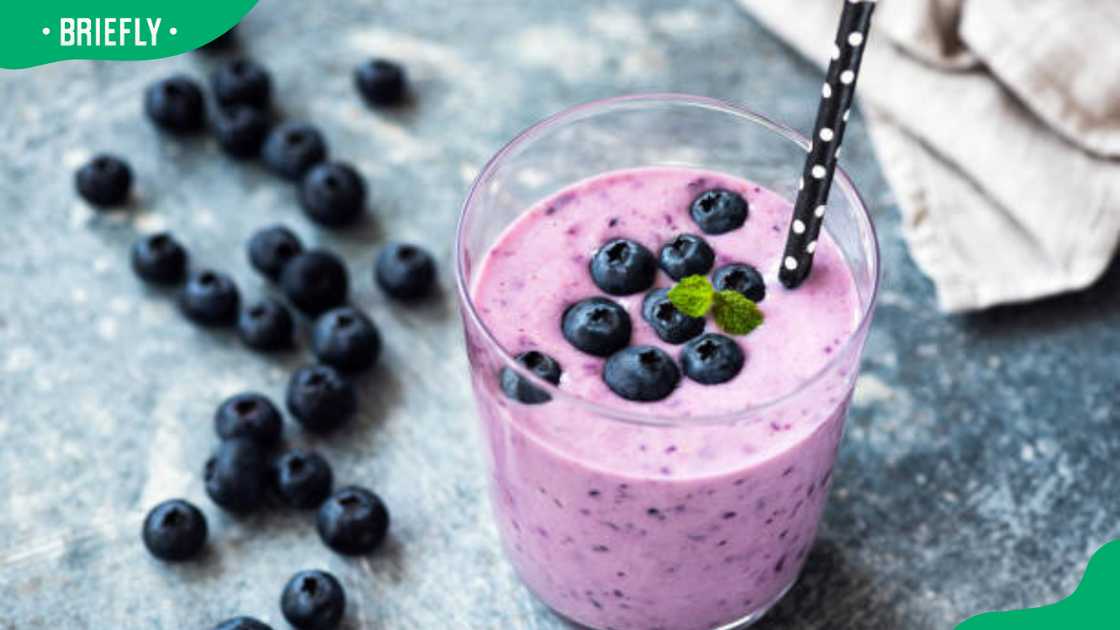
{"x":518,"y":388}
{"x":292,"y":148}
{"x":175,"y":104}
{"x":235,"y":475}
{"x":597,"y":326}
{"x":333,"y":194}
{"x":313,"y":600}
{"x":712,"y":359}
{"x":718,"y":211}
{"x":671,"y":325}
{"x":174,"y":530}
{"x":209,"y":298}
{"x":249,"y":416}
{"x":104,"y":181}
{"x":241,"y":130}
{"x":266,"y":326}
{"x":405,"y":271}
{"x":159,"y":259}
{"x":687,"y":255}
{"x":242,"y":623}
{"x":353,"y":521}
{"x":242,"y":82}
{"x":381,"y":82}
{"x":320,"y":398}
{"x":345,"y":338}
{"x":315,"y":281}
{"x":303,"y":478}
{"x":742,"y":278}
{"x":622,"y":267}
{"x":271,"y":248}
{"x":641,"y":373}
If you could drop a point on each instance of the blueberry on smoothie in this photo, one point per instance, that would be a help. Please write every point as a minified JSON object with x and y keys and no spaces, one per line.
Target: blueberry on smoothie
{"x":719,"y":211}
{"x":712,"y":359}
{"x":235,"y":476}
{"x":159,"y":259}
{"x":175,"y":104}
{"x":742,"y":278}
{"x":242,"y":623}
{"x":405,"y":271}
{"x":346,"y":339}
{"x":266,"y":326}
{"x":313,"y":600}
{"x":597,"y":326}
{"x":302,"y":478}
{"x":517,"y":388}
{"x":271,"y":248}
{"x":353,"y":521}
{"x":332,"y":194}
{"x":291,"y":149}
{"x":320,"y":398}
{"x":641,"y":373}
{"x":249,"y":416}
{"x":241,"y":130}
{"x":687,"y":255}
{"x":315,"y":281}
{"x":209,"y":298}
{"x":104,"y":181}
{"x":623,"y":267}
{"x":381,"y":82}
{"x":671,"y":325}
{"x":174,"y":530}
{"x":242,"y":82}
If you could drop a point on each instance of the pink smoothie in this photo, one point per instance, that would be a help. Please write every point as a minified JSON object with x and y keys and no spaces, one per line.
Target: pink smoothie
{"x":624,"y":525}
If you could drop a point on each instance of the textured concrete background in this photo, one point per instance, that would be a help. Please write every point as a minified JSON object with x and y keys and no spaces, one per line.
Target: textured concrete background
{"x":977,"y":471}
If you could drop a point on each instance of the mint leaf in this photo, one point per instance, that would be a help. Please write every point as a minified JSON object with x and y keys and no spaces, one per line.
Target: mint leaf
{"x":693,"y":296}
{"x":735,"y":314}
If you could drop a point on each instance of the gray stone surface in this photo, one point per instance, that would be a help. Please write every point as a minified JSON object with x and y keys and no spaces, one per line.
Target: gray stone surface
{"x":977,"y":470}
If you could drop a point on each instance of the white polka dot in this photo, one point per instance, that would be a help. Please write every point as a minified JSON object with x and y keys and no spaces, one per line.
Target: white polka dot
{"x":819,"y":171}
{"x":798,"y":226}
{"x":827,"y":134}
{"x":801,"y":184}
{"x":819,"y":211}
{"x":810,"y":146}
{"x":835,"y":52}
{"x":826,"y":91}
{"x":791,"y":263}
{"x":847,"y":76}
{"x":811,"y":247}
{"x":846,"y":114}
{"x":855,"y":39}
{"x":838,"y":149}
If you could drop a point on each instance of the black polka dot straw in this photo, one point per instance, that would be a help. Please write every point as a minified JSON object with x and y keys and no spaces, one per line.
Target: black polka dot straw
{"x":824,"y":148}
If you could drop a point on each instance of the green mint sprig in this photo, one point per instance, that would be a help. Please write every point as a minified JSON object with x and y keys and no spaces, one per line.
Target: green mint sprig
{"x":736,"y":315}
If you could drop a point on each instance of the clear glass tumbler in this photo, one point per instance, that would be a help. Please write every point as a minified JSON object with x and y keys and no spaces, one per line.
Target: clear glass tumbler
{"x":598,"y":537}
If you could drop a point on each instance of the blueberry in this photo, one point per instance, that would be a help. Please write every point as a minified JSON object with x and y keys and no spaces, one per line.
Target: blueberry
{"x":249,"y":416}
{"x":687,"y":255}
{"x":209,"y":298}
{"x":641,"y":373}
{"x":405,"y":271}
{"x":242,"y":623}
{"x":241,"y":130}
{"x":242,"y":82}
{"x":622,"y":267}
{"x":303,"y":479}
{"x":315,"y":281}
{"x":320,"y":398}
{"x":222,"y":42}
{"x":517,"y":388}
{"x":175,"y":104}
{"x":313,"y":600}
{"x":174,"y":530}
{"x":671,"y":325}
{"x":333,"y":194}
{"x":292,"y":148}
{"x":345,"y":338}
{"x":712,"y":359}
{"x":742,"y":278}
{"x":104,"y":181}
{"x":266,"y":326}
{"x":596,"y":326}
{"x":236,"y":474}
{"x":271,"y":248}
{"x":718,"y":211}
{"x":353,"y":521}
{"x":381,"y":82}
{"x":159,"y":259}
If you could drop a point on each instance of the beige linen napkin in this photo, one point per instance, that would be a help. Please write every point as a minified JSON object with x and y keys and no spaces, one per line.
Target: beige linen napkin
{"x":998,"y":126}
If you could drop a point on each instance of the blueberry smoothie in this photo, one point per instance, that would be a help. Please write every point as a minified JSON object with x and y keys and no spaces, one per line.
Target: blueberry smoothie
{"x":675,"y":474}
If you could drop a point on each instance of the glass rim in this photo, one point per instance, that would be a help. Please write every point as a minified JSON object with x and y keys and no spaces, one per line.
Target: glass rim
{"x":470,"y":312}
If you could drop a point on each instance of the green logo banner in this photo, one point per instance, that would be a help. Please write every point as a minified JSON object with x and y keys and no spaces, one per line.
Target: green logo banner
{"x":1093,"y":606}
{"x":35,"y":33}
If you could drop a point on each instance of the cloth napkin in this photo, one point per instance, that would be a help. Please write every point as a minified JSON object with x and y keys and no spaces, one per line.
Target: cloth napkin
{"x":997,"y":123}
